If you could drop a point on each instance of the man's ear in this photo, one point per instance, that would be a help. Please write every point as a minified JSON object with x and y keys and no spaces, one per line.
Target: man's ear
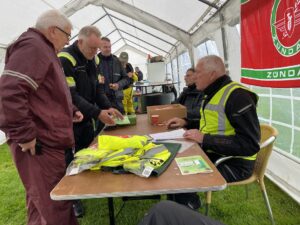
{"x":80,"y":41}
{"x":213,"y":76}
{"x":51,"y":32}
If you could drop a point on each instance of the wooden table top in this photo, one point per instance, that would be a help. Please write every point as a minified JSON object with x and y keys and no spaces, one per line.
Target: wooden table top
{"x":99,"y":184}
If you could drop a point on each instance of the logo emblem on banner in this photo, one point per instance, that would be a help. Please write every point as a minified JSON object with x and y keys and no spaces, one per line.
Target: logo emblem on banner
{"x":284,"y":21}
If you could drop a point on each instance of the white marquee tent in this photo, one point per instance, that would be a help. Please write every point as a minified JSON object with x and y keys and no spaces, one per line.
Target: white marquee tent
{"x":180,"y":31}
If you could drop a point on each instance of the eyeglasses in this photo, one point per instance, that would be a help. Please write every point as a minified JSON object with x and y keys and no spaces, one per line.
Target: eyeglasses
{"x":66,"y":33}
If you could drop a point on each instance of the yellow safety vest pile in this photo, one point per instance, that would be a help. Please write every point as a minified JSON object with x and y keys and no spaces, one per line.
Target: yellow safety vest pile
{"x":135,"y":154}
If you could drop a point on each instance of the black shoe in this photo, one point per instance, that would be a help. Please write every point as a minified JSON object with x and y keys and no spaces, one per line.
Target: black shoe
{"x":194,"y":204}
{"x":78,"y":209}
{"x":190,"y":200}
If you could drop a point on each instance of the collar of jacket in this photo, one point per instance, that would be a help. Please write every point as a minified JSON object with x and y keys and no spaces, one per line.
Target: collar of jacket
{"x":39,"y":33}
{"x":191,"y":87}
{"x":107,"y":58}
{"x":216,"y":85}
{"x":78,"y":52}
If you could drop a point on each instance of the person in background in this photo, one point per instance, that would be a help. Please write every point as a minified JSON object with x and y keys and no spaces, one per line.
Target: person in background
{"x":80,"y":64}
{"x":229,"y":123}
{"x":191,"y":98}
{"x":37,"y":115}
{"x":171,"y":213}
{"x":139,"y":73}
{"x":128,"y":90}
{"x":114,"y":75}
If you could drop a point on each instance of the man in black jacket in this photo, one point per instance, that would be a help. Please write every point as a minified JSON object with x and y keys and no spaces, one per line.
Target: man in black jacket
{"x":238,"y":131}
{"x":80,"y":65}
{"x":115,"y":77}
{"x":190,"y":97}
{"x":228,"y":125}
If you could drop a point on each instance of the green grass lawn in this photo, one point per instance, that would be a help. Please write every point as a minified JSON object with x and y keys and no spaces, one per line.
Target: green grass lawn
{"x":229,"y":206}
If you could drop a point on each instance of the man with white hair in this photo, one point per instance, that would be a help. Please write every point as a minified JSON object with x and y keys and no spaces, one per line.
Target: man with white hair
{"x":229,"y":124}
{"x":36,"y":114}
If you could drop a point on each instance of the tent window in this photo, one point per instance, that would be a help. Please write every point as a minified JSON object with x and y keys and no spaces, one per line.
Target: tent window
{"x":207,"y":48}
{"x":278,"y":106}
{"x":169,"y":71}
{"x":175,"y":72}
{"x":184,"y":64}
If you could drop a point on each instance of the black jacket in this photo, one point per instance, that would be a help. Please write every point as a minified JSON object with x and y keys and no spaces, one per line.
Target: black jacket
{"x":241,"y":112}
{"x":191,"y":98}
{"x":111,"y":68}
{"x":87,"y":94}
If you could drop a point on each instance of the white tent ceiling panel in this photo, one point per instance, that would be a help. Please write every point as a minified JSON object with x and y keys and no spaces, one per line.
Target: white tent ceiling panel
{"x":105,"y":25}
{"x":178,"y":14}
{"x":86,"y":16}
{"x":145,"y":38}
{"x":157,"y":33}
{"x":114,"y":36}
{"x":153,"y":40}
{"x":57,"y":3}
{"x":137,"y":47}
{"x":16,"y":16}
{"x":141,"y":48}
{"x":143,"y":44}
{"x":124,"y":26}
{"x":117,"y":46}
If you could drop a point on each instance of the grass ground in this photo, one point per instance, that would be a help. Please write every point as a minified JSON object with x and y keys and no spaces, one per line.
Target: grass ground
{"x":229,"y":206}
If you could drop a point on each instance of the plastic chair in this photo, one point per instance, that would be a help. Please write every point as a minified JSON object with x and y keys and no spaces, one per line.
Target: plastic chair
{"x":268,"y":136}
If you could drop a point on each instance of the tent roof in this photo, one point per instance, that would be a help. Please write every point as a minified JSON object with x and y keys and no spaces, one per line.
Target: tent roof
{"x":150,"y":27}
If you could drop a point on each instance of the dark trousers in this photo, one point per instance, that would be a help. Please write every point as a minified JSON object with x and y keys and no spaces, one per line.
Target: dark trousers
{"x":116,"y":103}
{"x":84,"y":135}
{"x":236,"y":169}
{"x":39,"y":175}
{"x":167,"y":212}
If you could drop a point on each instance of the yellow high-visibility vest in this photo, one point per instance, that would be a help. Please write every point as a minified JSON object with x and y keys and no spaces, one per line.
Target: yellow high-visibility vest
{"x":213,"y":117}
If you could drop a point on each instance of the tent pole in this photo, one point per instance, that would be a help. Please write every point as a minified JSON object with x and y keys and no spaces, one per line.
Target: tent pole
{"x":224,"y":42}
{"x":178,"y":78}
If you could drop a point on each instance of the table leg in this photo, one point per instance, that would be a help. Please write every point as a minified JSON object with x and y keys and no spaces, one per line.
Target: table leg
{"x":111,"y":211}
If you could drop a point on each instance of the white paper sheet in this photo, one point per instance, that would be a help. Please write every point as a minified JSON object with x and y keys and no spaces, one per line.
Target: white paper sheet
{"x":169,"y":135}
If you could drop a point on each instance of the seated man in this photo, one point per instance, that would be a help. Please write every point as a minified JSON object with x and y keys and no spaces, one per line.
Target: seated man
{"x":191,"y":98}
{"x":229,"y":124}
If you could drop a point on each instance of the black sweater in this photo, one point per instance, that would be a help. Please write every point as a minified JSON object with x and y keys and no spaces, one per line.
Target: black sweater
{"x":191,"y":98}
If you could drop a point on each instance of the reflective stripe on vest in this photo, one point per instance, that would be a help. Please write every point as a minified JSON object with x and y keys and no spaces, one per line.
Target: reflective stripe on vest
{"x":68,"y":56}
{"x":97,"y":60}
{"x":70,"y":81}
{"x":214,"y":120}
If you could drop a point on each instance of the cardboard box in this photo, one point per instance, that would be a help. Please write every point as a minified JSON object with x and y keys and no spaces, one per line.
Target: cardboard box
{"x":166,"y":112}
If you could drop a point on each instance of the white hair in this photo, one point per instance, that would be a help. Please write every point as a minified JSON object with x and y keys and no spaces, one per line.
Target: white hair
{"x":52,"y":18}
{"x":213,"y":63}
